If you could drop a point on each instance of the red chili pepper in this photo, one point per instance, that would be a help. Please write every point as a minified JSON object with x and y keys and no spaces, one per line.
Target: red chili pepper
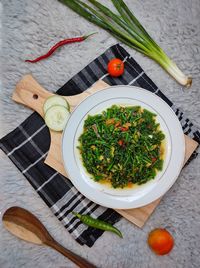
{"x":120,"y":142}
{"x":59,"y":44}
{"x":123,"y":129}
{"x":153,"y":159}
{"x":118,"y":124}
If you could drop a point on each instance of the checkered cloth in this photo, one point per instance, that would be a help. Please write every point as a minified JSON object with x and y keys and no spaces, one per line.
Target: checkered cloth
{"x":28,"y":145}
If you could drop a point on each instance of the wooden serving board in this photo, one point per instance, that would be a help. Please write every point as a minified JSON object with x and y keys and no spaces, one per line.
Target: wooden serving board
{"x":28,"y":92}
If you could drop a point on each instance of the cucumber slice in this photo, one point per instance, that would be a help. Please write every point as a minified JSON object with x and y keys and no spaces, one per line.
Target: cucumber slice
{"x":55,"y":100}
{"x":56,"y":117}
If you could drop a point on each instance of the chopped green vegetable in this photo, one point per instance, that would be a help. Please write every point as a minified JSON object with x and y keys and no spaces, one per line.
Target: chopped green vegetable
{"x":122,"y":146}
{"x":125,"y":27}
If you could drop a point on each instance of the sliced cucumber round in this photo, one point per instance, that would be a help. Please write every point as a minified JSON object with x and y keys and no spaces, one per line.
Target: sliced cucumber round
{"x":56,"y":117}
{"x":55,"y":100}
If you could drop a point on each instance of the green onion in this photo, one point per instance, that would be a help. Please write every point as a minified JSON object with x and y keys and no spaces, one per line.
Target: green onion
{"x":125,"y":27}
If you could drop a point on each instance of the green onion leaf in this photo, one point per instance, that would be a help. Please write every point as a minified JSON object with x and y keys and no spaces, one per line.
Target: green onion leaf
{"x":127,"y":29}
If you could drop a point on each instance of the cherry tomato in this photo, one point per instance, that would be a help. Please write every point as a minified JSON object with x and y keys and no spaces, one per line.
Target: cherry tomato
{"x":115,"y":67}
{"x":160,"y":241}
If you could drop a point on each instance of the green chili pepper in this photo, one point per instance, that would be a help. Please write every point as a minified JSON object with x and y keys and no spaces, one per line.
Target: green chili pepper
{"x":98,"y":224}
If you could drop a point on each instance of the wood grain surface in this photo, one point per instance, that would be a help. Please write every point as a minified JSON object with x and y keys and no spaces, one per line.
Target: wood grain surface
{"x":30,"y":93}
{"x":24,"y":225}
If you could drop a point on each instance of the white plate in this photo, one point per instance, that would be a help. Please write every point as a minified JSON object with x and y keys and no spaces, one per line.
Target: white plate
{"x":136,"y":196}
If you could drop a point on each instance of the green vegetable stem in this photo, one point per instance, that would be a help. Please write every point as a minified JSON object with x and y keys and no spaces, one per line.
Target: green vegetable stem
{"x":126,"y":28}
{"x":122,"y":146}
{"x":98,"y":224}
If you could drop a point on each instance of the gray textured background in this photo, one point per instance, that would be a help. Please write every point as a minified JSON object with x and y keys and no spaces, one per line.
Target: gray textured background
{"x":28,"y":28}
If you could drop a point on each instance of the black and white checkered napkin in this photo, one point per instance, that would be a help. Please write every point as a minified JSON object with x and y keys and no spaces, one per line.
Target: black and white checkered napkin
{"x":28,"y":145}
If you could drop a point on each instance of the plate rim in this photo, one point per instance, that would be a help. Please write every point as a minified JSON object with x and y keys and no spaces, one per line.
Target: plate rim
{"x":128,"y":206}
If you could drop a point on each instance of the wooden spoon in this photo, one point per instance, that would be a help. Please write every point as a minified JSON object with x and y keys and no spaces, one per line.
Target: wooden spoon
{"x":26,"y":226}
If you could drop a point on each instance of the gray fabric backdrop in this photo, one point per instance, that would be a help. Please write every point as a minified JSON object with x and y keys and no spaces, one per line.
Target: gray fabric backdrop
{"x":28,"y":28}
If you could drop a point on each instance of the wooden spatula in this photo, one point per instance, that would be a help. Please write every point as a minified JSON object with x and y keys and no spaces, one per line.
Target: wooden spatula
{"x":26,"y":226}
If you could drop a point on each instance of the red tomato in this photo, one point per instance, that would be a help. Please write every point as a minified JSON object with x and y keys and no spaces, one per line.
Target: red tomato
{"x":115,"y":67}
{"x":153,"y":159}
{"x":120,"y":142}
{"x":123,"y":129}
{"x":160,"y":241}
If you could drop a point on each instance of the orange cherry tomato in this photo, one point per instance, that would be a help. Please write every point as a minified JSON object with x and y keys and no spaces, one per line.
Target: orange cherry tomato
{"x":160,"y":241}
{"x":115,"y":67}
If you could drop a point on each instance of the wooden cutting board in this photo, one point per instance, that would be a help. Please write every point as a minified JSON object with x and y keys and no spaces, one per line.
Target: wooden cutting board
{"x":30,"y":93}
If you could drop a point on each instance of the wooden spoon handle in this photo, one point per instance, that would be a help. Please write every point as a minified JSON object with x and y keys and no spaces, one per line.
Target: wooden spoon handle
{"x":82,"y":263}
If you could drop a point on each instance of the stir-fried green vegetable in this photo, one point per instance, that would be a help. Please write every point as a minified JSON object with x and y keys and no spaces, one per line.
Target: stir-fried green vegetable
{"x":125,"y":27}
{"x":123,"y":146}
